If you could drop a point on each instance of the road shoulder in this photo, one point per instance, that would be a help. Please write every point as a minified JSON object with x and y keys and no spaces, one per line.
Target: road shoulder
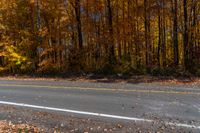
{"x":52,"y":121}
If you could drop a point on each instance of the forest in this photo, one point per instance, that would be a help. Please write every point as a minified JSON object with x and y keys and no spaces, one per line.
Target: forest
{"x":159,"y":37}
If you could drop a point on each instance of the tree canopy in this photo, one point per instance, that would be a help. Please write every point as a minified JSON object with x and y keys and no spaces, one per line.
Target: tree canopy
{"x":106,"y":36}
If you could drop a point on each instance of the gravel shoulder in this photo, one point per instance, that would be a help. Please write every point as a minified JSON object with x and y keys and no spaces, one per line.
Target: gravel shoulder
{"x":37,"y":121}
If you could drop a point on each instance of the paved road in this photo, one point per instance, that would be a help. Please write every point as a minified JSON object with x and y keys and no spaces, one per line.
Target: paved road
{"x":174,"y":103}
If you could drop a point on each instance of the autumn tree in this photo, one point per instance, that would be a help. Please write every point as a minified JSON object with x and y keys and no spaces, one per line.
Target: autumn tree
{"x":122,"y":36}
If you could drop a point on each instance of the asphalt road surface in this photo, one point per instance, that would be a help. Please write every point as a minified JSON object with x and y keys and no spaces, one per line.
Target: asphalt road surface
{"x":174,"y":104}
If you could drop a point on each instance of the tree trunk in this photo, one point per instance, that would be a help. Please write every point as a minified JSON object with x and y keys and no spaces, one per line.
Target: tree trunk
{"x":111,"y":50}
{"x":147,"y":32}
{"x":175,"y":32}
{"x":35,"y":55}
{"x":78,"y":21}
{"x":159,"y":37}
{"x":185,"y":36}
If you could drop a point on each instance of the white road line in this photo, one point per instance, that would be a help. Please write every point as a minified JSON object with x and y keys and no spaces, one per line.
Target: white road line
{"x":95,"y":114}
{"x":197,"y":107}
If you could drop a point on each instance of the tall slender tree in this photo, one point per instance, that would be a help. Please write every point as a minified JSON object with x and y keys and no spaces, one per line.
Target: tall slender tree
{"x":175,"y":31}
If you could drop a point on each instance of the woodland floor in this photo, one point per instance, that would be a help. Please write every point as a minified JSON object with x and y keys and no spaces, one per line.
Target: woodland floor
{"x":109,"y":79}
